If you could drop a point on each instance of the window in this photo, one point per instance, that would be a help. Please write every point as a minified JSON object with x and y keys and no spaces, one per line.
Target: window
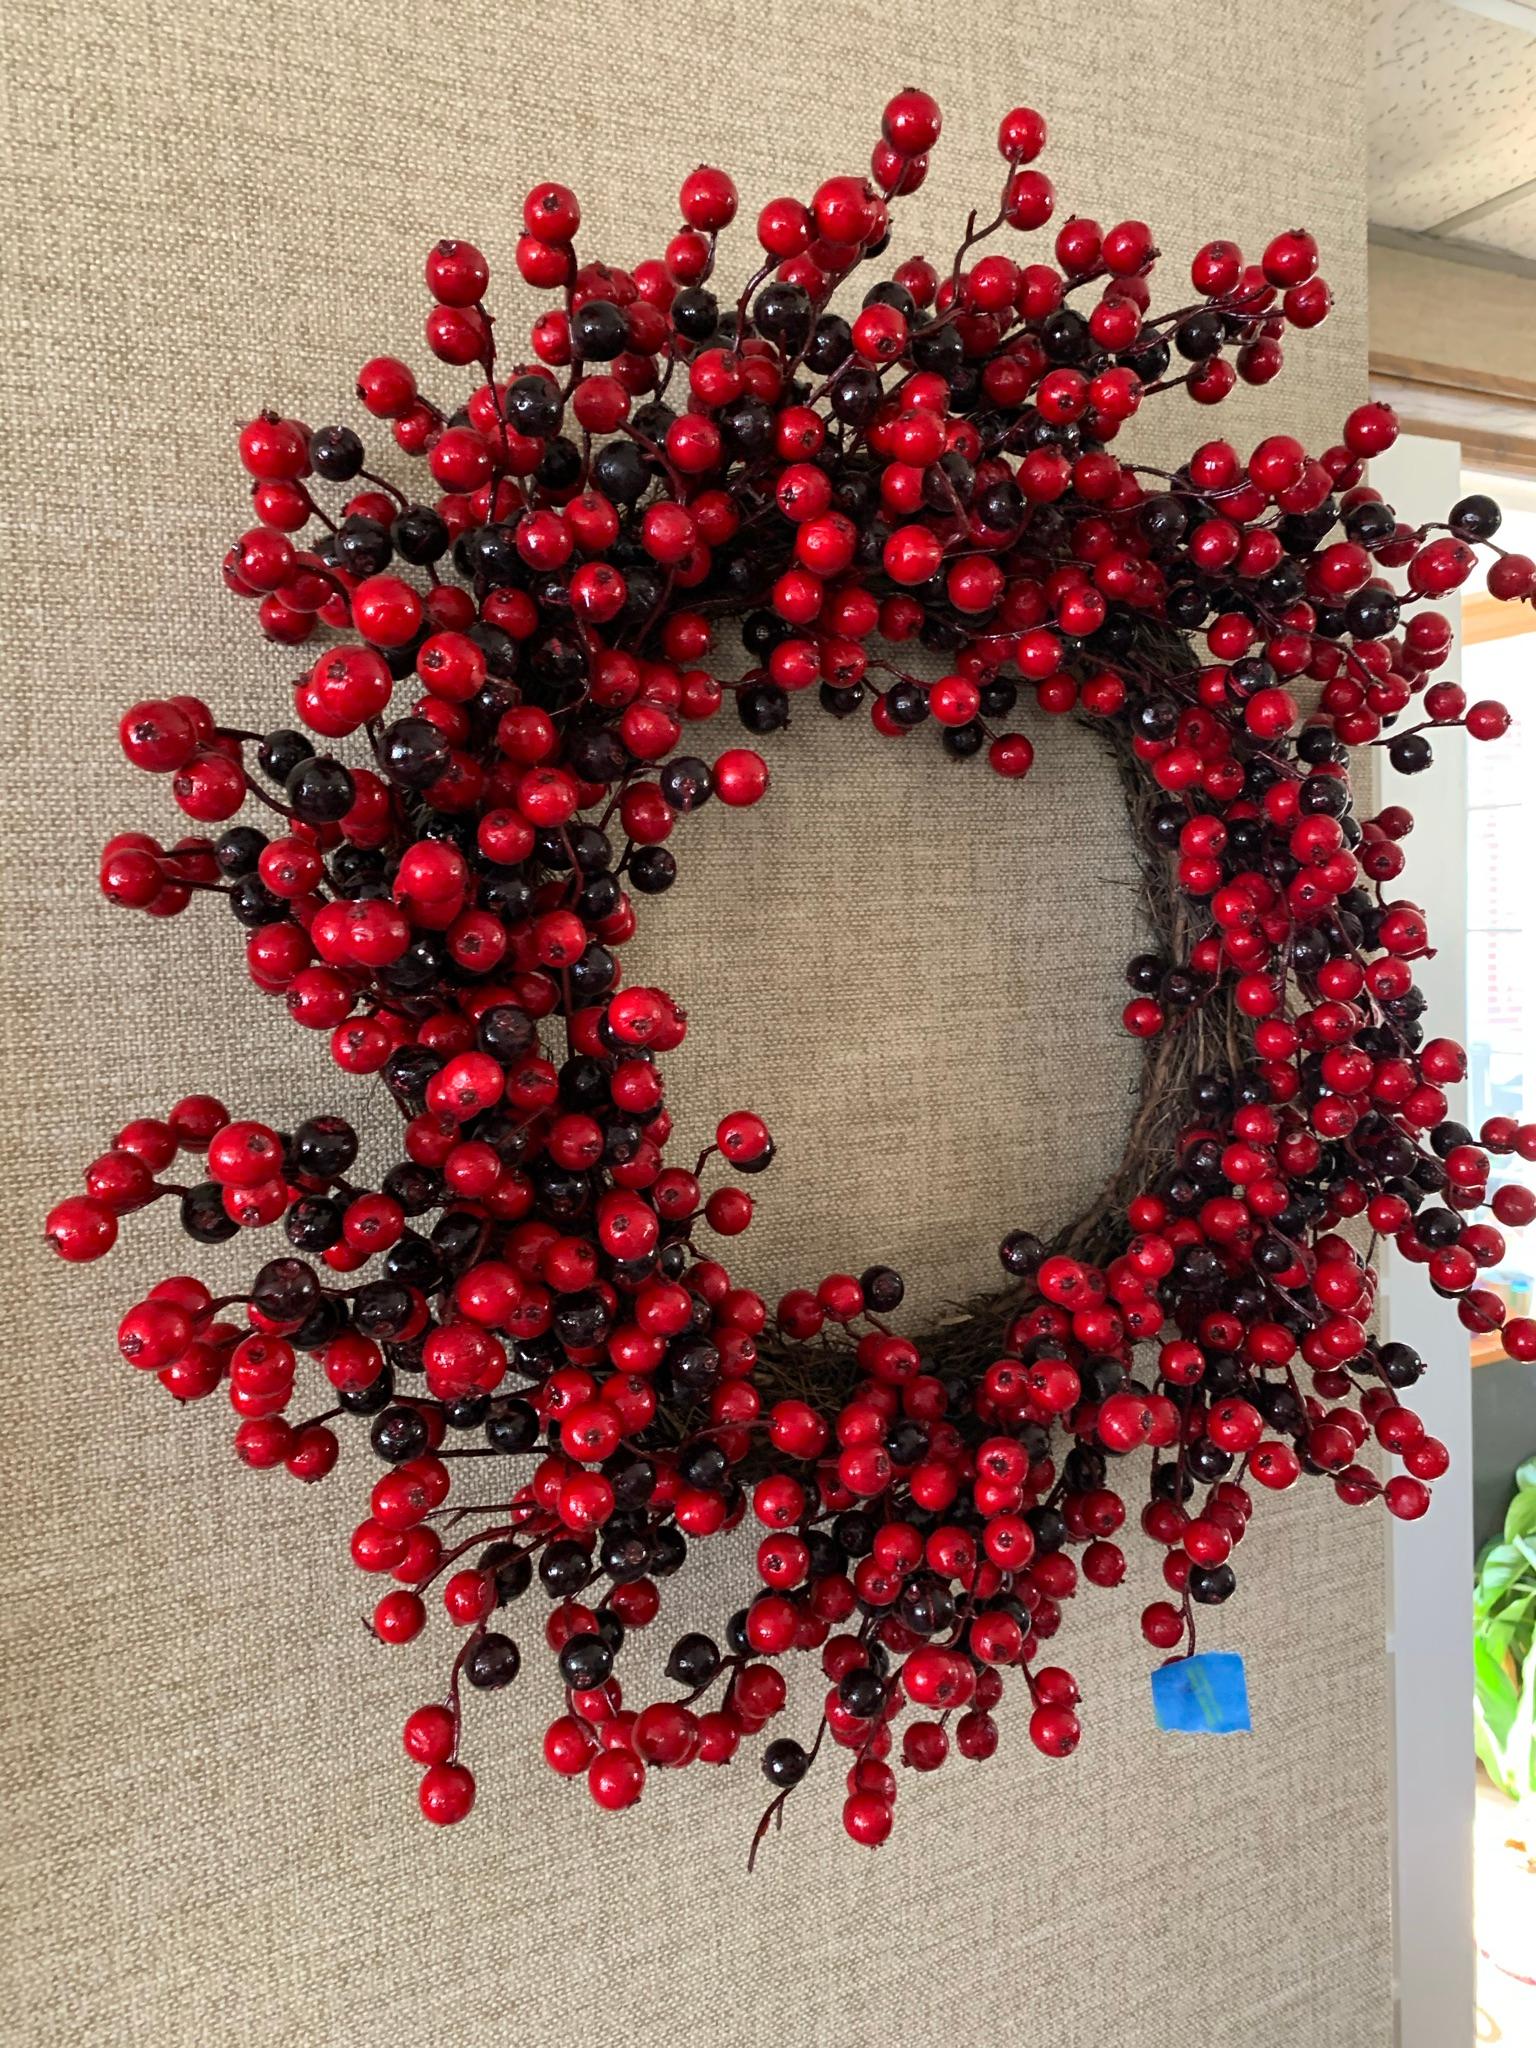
{"x":1498,"y":658}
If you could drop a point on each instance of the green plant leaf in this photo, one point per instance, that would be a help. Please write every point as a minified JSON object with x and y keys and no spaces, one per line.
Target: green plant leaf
{"x":1498,"y":1697}
{"x":1496,"y":1637}
{"x":1509,"y":1630}
{"x":1490,"y":1754}
{"x":1520,"y":1746}
{"x":1502,"y":1566}
{"x":1504,"y":1646}
{"x":1512,"y":1609}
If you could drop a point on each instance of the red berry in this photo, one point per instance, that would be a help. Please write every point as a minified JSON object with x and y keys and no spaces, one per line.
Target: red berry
{"x":708,"y":200}
{"x":1029,"y":201}
{"x":1291,"y":258}
{"x":615,"y":1779}
{"x":157,"y":736}
{"x":842,"y":210}
{"x":551,"y":213}
{"x":1406,"y":1498}
{"x":274,"y":449}
{"x":867,"y":1818}
{"x":1021,"y":135}
{"x":1371,"y":429}
{"x":740,"y":777}
{"x":1162,"y":1624}
{"x":81,"y":1229}
{"x":1488,"y":720}
{"x":399,"y":1617}
{"x":457,"y":273}
{"x":911,"y":122}
{"x":446,"y":1794}
{"x":912,"y":554}
{"x":568,"y":1748}
{"x":386,"y":611}
{"x":386,"y":387}
{"x":1054,"y":1730}
{"x":430,"y":1734}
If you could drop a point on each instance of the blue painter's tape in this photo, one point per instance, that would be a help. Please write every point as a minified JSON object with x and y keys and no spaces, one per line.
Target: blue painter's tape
{"x":1202,"y":1695}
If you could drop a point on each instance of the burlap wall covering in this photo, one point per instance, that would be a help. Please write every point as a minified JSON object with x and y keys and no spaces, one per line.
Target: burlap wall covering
{"x":210,"y":1834}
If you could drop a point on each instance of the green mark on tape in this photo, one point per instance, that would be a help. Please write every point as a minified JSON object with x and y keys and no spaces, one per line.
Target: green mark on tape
{"x":1203,"y":1695}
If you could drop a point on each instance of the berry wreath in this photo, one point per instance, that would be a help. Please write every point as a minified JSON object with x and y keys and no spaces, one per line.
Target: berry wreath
{"x":527,"y":1285}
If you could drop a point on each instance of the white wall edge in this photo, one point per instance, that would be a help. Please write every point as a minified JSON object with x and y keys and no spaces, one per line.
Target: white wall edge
{"x":1429,"y":1604}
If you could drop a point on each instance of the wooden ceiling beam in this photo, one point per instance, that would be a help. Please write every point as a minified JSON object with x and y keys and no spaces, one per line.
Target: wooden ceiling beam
{"x":1490,"y":618}
{"x":1493,"y":416}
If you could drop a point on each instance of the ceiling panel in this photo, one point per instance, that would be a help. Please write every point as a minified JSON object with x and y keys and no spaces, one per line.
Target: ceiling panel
{"x":1452,"y":119}
{"x":1512,"y":228}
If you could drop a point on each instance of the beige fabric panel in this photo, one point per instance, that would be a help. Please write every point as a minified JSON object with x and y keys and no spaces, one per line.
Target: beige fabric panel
{"x":209,"y":1826}
{"x":1431,"y":310}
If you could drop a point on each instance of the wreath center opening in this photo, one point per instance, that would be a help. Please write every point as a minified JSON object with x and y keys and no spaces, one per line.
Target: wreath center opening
{"x":916,"y":977}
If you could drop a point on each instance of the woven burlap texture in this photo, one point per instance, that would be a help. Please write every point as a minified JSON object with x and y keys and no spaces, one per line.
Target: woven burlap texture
{"x":210,"y":1828}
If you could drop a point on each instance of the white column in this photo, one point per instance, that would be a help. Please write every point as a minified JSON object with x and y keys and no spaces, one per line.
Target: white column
{"x":1429,"y":1611}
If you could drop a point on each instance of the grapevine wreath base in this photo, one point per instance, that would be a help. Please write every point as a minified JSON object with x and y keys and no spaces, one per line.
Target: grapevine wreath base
{"x":685,"y":499}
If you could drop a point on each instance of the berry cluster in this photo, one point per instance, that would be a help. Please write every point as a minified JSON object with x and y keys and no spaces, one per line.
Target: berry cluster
{"x":562,"y":1387}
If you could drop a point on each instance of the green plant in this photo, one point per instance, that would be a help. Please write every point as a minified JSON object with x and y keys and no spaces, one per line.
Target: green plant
{"x":1504,"y":1664}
